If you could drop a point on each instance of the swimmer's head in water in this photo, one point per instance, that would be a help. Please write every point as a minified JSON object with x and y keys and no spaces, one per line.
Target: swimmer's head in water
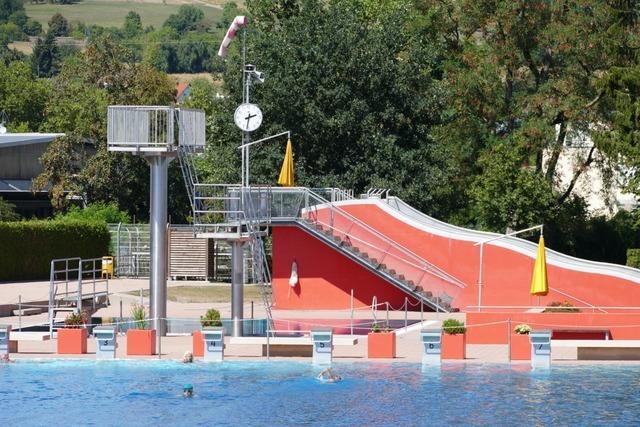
{"x":187,"y":390}
{"x":188,"y":357}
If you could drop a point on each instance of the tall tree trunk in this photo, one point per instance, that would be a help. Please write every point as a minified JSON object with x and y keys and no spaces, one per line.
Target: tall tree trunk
{"x":557,"y":150}
{"x":583,"y":167}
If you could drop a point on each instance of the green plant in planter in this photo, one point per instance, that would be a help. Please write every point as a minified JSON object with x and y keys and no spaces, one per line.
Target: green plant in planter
{"x":211,"y":318}
{"x":561,"y":307}
{"x":453,"y":327}
{"x":139,"y":316}
{"x":522,"y":329}
{"x":375,"y":328}
{"x":76,"y":320}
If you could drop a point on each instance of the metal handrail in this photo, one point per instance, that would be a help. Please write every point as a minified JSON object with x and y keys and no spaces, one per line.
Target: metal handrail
{"x":388,"y":253}
{"x":383,"y":237}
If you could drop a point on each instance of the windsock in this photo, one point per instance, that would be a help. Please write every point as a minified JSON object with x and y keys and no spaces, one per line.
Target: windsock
{"x":238,"y":22}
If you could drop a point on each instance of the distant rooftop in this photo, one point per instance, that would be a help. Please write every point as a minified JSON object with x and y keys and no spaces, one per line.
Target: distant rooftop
{"x":16,"y":139}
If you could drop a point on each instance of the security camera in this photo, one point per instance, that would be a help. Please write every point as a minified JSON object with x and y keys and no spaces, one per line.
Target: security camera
{"x":249,"y":68}
{"x":258,"y":75}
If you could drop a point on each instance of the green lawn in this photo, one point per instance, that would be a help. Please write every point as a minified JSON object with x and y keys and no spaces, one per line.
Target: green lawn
{"x":111,"y":13}
{"x":213,"y":293}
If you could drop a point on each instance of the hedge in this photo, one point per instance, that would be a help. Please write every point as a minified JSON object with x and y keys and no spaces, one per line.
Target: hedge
{"x":633,"y":258}
{"x":27,"y":247}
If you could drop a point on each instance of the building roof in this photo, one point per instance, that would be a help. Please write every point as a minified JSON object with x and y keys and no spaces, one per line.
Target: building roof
{"x":15,"y":186}
{"x":17,"y":139}
{"x":181,"y":88}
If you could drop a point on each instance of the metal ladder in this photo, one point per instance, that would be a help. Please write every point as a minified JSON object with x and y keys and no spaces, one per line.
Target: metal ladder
{"x":259,"y":258}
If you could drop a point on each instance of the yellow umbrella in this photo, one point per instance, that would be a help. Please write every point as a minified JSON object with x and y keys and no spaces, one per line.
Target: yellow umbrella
{"x":286,"y":173}
{"x":539,"y":283}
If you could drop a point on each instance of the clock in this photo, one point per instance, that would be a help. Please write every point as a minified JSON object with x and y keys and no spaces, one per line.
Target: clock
{"x":248,"y":117}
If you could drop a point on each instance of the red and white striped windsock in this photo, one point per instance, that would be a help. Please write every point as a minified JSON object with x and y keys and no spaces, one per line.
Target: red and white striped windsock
{"x":238,"y":22}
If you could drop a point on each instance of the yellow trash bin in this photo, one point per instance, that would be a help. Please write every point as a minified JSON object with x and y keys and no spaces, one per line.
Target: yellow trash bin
{"x":107,"y":267}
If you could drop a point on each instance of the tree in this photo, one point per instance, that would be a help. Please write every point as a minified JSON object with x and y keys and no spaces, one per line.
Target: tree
{"x":7,"y":211}
{"x":58,"y":26}
{"x":8,"y":8}
{"x":45,"y":57}
{"x":132,"y":25}
{"x":360,"y":95}
{"x":187,"y":19}
{"x":22,"y":97}
{"x":106,"y":74}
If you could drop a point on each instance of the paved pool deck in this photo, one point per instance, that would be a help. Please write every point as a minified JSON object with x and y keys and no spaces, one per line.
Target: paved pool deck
{"x":408,"y":346}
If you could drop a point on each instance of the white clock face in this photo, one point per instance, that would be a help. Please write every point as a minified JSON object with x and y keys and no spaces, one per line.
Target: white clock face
{"x":248,"y":117}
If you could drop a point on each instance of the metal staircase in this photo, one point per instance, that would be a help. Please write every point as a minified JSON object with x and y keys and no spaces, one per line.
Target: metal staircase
{"x":75,"y":284}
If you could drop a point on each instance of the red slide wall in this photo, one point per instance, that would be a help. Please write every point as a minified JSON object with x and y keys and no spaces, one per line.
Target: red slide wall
{"x":326,"y":277}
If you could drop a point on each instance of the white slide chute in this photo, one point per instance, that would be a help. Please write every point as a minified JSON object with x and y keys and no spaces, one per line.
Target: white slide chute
{"x":238,"y":23}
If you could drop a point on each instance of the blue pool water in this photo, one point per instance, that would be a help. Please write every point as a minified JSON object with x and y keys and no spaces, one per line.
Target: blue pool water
{"x":148,"y":393}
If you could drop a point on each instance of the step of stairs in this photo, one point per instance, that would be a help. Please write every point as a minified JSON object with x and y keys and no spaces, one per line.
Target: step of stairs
{"x":28,"y":311}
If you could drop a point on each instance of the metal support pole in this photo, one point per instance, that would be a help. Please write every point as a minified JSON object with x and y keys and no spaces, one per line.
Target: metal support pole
{"x":20,"y":312}
{"x":351,"y":311}
{"x":509,"y":340}
{"x":480,"y":277}
{"x":237,"y":287}
{"x":158,"y":221}
{"x":406,"y":308}
{"x":387,"y":314}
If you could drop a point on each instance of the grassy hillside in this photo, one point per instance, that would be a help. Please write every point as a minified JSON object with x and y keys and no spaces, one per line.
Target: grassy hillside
{"x":109,"y":13}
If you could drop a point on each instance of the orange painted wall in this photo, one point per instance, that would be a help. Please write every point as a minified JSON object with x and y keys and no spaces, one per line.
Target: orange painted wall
{"x":621,"y":326}
{"x":507,"y":274}
{"x":326,"y":277}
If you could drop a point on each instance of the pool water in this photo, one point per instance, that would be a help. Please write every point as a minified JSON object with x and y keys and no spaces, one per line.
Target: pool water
{"x":148,"y":393}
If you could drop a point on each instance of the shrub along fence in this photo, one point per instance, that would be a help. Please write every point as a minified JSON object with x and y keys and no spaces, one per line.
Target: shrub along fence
{"x":27,"y":247}
{"x":633,"y":258}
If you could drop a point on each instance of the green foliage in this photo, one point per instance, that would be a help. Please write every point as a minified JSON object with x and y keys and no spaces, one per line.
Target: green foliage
{"x":22,"y":97}
{"x":360,"y":96}
{"x":58,"y":26}
{"x":560,"y":307}
{"x":188,"y":18}
{"x":507,"y":194}
{"x":633,"y":258}
{"x":76,"y":320}
{"x":108,"y":213}
{"x":453,"y":327}
{"x":211,"y":318}
{"x":45,"y":59}
{"x":27,"y":247}
{"x":7,"y":211}
{"x":8,"y":8}
{"x":522,"y":329}
{"x":139,"y":316}
{"x":132,"y":25}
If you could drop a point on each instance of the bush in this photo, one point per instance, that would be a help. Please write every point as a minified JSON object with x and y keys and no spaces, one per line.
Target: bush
{"x":522,"y":329}
{"x":633,"y":258}
{"x":211,"y":318}
{"x":453,"y":327}
{"x":76,"y":320}
{"x":561,"y":307}
{"x":139,"y":316}
{"x":103,"y":212}
{"x":27,"y":247}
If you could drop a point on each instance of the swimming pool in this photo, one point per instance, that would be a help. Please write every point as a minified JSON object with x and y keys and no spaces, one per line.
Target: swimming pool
{"x":145,"y":393}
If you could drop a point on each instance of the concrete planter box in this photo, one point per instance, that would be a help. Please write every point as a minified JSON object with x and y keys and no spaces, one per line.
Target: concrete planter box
{"x":381,"y":345}
{"x":520,"y":347}
{"x":141,"y":342}
{"x":454,"y":347}
{"x":198,"y":344}
{"x":72,"y":341}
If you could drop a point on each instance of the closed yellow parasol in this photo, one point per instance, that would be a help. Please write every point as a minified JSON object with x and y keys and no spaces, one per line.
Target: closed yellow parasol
{"x":539,"y":283}
{"x":286,"y":173}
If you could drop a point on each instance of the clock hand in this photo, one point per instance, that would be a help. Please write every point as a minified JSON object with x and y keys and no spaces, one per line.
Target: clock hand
{"x":249,"y":117}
